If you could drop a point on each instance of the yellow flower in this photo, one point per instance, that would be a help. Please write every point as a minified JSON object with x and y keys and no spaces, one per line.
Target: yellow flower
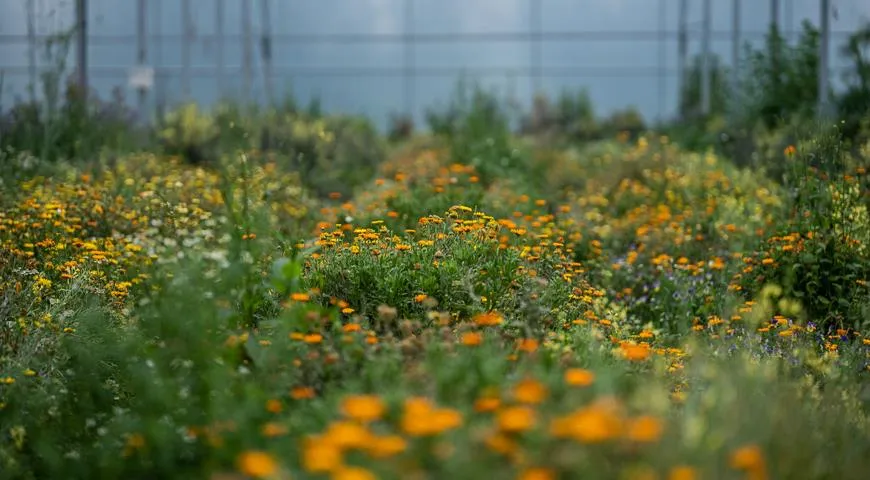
{"x":257,"y":464}
{"x":579,"y":377}
{"x":364,"y":408}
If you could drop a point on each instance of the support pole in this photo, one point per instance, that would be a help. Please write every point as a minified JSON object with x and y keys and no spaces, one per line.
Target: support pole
{"x":219,"y":46}
{"x":410,"y":79}
{"x":536,"y":45}
{"x":247,"y":52}
{"x":187,"y":25}
{"x":662,"y":58}
{"x":31,"y":49}
{"x":82,"y":46}
{"x":774,"y":14}
{"x":735,"y":51}
{"x":266,"y":50}
{"x":824,"y":42}
{"x":705,"y":59}
{"x":141,"y":47}
{"x":682,"y":48}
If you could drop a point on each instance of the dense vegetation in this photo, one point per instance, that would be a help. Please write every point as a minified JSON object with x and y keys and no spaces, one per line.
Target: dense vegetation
{"x":282,"y":293}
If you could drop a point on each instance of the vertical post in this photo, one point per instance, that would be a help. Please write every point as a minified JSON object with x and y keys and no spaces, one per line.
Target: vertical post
{"x":705,"y":59}
{"x":159,"y":92}
{"x":662,"y":58}
{"x":31,"y":49}
{"x":266,"y":50}
{"x":247,"y":50}
{"x":82,"y":46}
{"x":536,"y":45}
{"x":682,"y":49}
{"x":824,"y":41}
{"x":410,"y":79}
{"x":774,"y":14}
{"x":141,"y":46}
{"x":219,"y":46}
{"x":735,"y":49}
{"x":186,"y":25}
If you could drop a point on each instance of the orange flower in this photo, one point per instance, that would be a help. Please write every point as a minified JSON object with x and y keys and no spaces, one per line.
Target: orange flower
{"x":346,"y":435}
{"x":387,"y":446}
{"x":682,"y":472}
{"x":353,"y":473}
{"x":472,"y":338}
{"x":488,"y":319}
{"x":274,"y":406}
{"x":530,"y":391}
{"x":363,"y":408}
{"x":486,"y":404}
{"x":516,"y":419}
{"x":749,"y":459}
{"x":421,"y":418}
{"x":257,"y":464}
{"x":312,"y":338}
{"x":273,"y":429}
{"x":528,"y":345}
{"x":420,"y":297}
{"x":593,"y":424}
{"x":320,"y":456}
{"x":579,"y":377}
{"x":300,"y":297}
{"x":299,"y":393}
{"x":645,"y":429}
{"x":635,"y":352}
{"x":537,"y":473}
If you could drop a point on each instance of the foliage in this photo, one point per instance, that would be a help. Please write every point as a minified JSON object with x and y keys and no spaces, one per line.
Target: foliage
{"x":720,"y":88}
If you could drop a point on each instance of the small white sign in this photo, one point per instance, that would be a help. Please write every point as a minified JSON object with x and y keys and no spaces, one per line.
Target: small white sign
{"x":141,"y":77}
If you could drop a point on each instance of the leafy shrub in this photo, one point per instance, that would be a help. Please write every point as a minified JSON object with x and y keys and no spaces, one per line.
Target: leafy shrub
{"x":72,"y":128}
{"x":820,"y":255}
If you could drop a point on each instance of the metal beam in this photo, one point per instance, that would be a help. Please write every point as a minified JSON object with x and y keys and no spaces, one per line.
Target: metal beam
{"x":682,"y":45}
{"x":735,"y":49}
{"x":247,"y":51}
{"x":142,"y":48}
{"x":187,"y":26}
{"x":219,"y":45}
{"x":82,"y":46}
{"x":824,"y":42}
{"x":266,"y":50}
{"x":705,"y":59}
